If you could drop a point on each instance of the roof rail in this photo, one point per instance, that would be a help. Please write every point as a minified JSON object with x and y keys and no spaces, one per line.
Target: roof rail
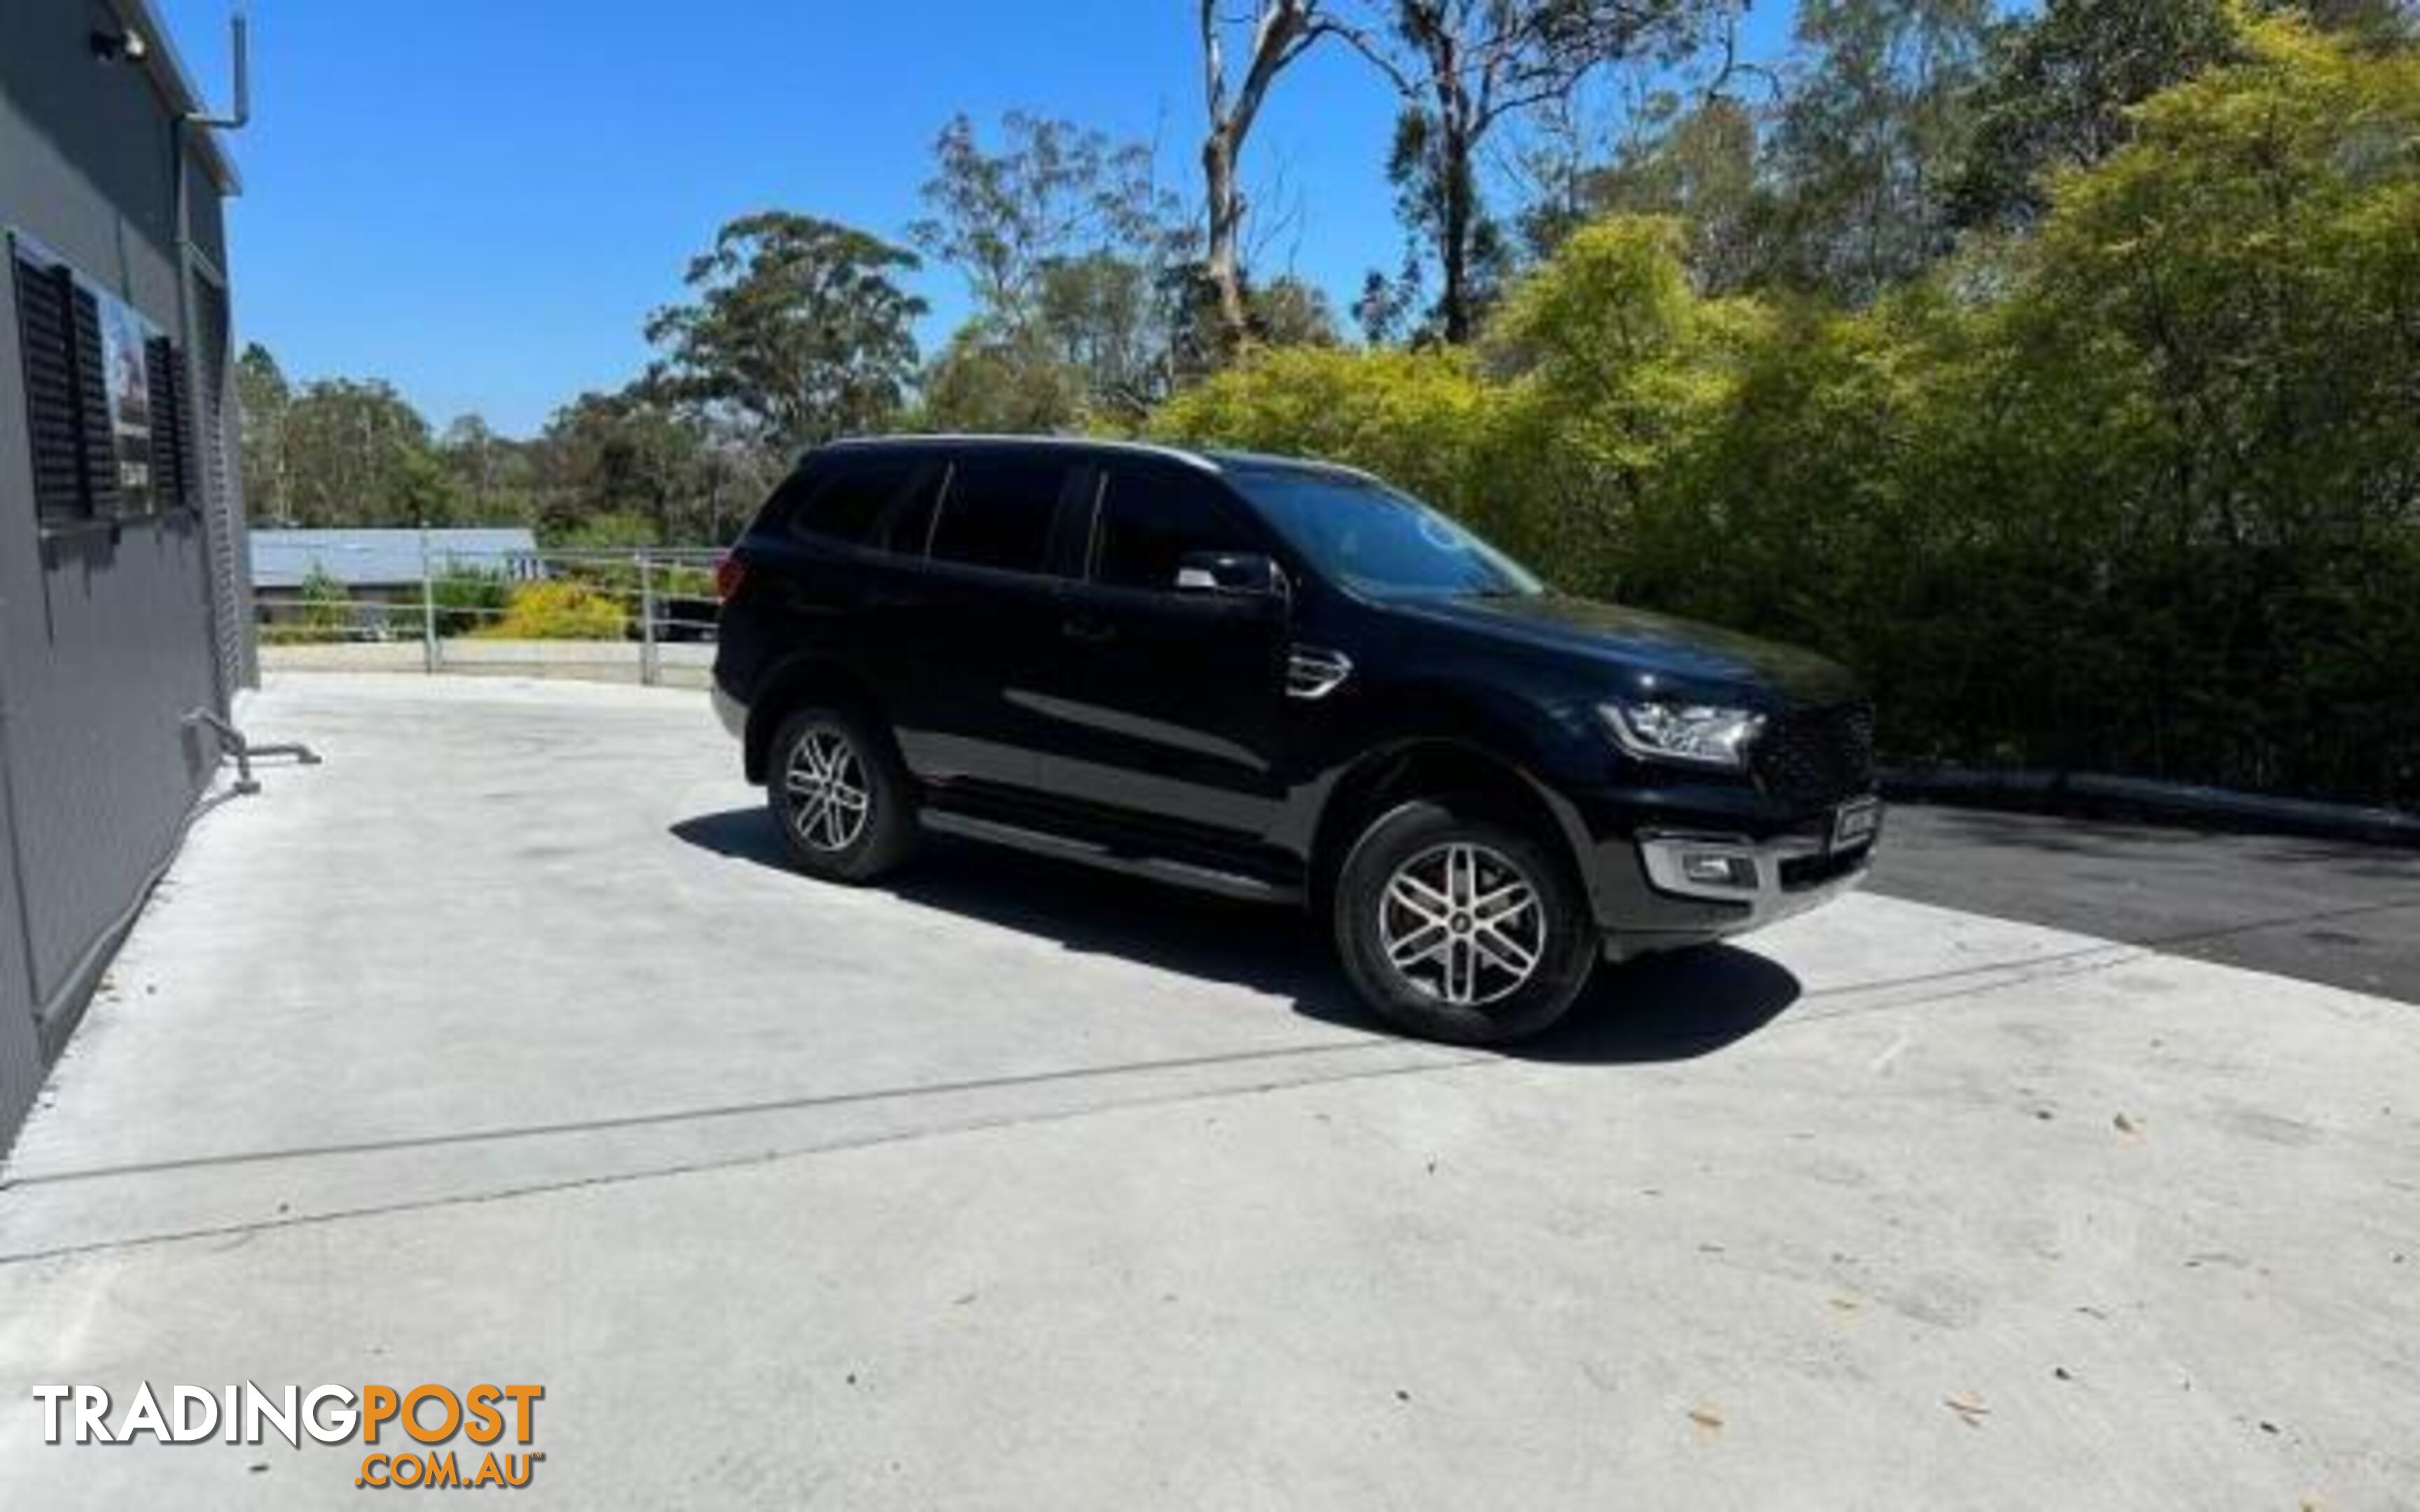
{"x":1179,"y":454}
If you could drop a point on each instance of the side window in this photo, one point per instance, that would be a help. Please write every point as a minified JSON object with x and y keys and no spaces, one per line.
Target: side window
{"x":1150,"y":517}
{"x":998,"y":512}
{"x":909,"y":525}
{"x":850,"y":500}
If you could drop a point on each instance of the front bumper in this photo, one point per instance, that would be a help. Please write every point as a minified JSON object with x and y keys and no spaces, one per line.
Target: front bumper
{"x":1756,"y":882}
{"x":1632,"y":845}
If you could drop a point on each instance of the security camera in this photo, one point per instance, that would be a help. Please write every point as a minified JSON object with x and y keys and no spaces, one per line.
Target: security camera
{"x":127,"y":46}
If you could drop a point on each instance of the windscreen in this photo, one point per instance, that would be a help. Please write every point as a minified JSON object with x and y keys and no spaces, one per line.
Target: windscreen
{"x":1374,"y":540}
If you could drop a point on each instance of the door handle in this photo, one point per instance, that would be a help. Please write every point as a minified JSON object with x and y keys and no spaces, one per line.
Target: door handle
{"x":1091,"y":631}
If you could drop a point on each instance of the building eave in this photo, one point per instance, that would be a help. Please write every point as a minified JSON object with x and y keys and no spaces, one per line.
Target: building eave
{"x":166,"y":69}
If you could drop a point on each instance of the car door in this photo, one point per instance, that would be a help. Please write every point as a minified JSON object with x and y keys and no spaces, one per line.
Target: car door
{"x":1161,"y":701}
{"x":984,"y":621}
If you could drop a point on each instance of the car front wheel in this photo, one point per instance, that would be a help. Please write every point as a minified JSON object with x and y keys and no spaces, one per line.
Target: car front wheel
{"x":1457,"y":927}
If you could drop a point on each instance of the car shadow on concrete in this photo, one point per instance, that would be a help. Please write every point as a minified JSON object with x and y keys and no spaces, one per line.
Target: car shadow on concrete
{"x":1675,"y":1007}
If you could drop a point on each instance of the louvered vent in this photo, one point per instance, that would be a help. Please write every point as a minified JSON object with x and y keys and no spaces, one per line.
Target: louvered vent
{"x":171,"y":456}
{"x":1314,"y":673}
{"x":46,"y":331}
{"x":92,"y":393}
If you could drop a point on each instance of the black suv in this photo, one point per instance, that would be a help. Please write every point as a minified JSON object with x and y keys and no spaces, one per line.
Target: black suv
{"x":1278,"y":680}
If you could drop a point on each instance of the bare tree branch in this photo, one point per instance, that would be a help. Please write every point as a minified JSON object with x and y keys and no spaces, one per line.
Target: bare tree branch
{"x":1281,"y":31}
{"x":1464,"y":68}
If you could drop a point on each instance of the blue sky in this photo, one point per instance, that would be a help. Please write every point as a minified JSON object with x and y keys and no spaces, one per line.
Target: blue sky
{"x":481,"y":200}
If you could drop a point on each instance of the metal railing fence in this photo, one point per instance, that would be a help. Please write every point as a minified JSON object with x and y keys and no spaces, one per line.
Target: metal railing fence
{"x":646,"y":612}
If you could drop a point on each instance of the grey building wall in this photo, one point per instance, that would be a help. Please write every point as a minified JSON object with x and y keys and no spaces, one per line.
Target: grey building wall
{"x":107,"y":637}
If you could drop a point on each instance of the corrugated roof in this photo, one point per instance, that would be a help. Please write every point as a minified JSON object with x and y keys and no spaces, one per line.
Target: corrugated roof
{"x":385,"y":559}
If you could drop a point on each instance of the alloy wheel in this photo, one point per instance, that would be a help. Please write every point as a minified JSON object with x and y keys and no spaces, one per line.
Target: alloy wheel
{"x":1462,"y":924}
{"x":825,"y":790}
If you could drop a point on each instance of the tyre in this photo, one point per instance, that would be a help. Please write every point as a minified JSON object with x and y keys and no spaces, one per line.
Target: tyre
{"x":842,"y":799}
{"x":1458,"y":927}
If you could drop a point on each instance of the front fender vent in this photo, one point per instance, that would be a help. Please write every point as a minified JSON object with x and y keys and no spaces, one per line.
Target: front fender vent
{"x":1313,"y":672}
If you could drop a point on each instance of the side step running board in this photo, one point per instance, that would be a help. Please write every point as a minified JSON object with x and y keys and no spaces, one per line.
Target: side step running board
{"x":1069,"y":848}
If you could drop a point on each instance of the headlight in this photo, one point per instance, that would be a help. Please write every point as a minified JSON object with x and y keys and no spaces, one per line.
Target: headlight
{"x":1685,"y":734}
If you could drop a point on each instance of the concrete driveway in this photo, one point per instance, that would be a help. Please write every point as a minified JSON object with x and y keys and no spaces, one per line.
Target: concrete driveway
{"x":497,"y":1049}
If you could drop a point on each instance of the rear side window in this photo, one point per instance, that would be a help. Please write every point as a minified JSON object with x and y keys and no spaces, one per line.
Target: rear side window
{"x":851,"y":501}
{"x":1151,"y":517}
{"x":998,"y":512}
{"x":909,"y":523}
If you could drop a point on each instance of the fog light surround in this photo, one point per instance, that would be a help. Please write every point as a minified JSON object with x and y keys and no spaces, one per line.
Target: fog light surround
{"x":1719,"y":869}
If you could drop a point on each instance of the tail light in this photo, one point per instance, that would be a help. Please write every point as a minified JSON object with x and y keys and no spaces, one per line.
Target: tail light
{"x":729,"y":573}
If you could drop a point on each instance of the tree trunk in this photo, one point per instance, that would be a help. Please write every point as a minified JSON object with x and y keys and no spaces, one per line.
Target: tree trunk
{"x":1281,"y":30}
{"x":1224,"y":258}
{"x":1456,"y":143}
{"x":1453,"y":251}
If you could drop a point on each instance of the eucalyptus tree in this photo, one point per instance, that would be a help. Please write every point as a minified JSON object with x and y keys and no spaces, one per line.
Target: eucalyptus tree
{"x":2060,"y":89}
{"x":1275,"y":34}
{"x":1879,"y":116}
{"x":1068,"y":244}
{"x":1465,"y":70}
{"x":797,"y":329}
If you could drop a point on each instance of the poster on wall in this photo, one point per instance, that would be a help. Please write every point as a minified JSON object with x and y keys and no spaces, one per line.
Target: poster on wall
{"x":125,"y":340}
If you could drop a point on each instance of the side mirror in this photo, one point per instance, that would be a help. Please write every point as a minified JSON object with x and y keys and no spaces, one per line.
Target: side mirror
{"x":1241,"y":574}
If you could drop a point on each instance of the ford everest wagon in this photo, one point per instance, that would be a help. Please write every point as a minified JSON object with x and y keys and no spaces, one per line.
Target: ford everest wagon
{"x":1278,"y":680}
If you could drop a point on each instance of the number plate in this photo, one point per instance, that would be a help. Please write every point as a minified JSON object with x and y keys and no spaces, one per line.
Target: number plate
{"x":1857,"y":824}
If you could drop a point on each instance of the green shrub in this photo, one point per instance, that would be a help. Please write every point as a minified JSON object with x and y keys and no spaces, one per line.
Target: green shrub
{"x":1415,"y":418}
{"x":469,"y":598}
{"x":557,"y":612}
{"x":613,"y":531}
{"x":327,"y":607}
{"x":2139,"y":493}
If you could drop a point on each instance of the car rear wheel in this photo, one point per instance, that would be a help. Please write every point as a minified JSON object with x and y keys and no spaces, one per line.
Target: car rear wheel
{"x":842,"y":799}
{"x":1455,"y":926}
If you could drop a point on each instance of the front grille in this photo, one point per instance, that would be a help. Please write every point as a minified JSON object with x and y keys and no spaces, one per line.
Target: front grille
{"x":1817,"y":756}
